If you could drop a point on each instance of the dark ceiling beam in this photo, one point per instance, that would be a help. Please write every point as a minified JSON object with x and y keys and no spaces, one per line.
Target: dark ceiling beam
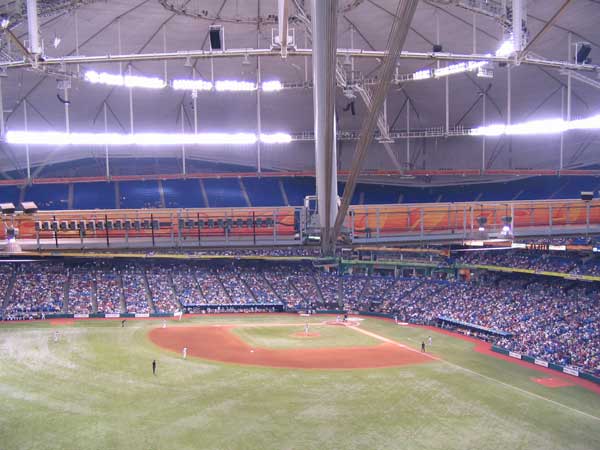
{"x":400,"y":27}
{"x":414,"y":30}
{"x":544,"y":29}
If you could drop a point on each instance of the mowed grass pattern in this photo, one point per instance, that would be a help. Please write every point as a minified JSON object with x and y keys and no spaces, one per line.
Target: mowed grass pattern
{"x":278,"y":337}
{"x":95,"y":390}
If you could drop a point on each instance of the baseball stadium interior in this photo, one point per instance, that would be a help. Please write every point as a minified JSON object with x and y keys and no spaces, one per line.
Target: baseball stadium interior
{"x":422,"y":175}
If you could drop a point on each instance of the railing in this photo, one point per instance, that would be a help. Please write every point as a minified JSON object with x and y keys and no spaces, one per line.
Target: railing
{"x":287,"y":225}
{"x":462,"y":220}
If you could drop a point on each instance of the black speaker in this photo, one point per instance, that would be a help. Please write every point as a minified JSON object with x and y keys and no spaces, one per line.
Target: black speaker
{"x":437,"y":48}
{"x":583,"y":53}
{"x":216,"y":37}
{"x":587,"y":196}
{"x":29,"y":207}
{"x":7,"y":208}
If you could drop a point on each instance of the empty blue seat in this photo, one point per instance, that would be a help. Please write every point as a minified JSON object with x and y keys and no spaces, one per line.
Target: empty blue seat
{"x":139,"y":194}
{"x":99,"y":195}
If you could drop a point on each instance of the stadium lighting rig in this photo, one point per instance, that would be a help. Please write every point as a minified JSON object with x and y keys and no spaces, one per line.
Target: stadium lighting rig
{"x":538,"y":127}
{"x":506,"y":49}
{"x":142,"y":139}
{"x":192,"y":85}
{"x":272,"y":86}
{"x":131,"y":81}
{"x":134,"y":81}
{"x":234,"y":86}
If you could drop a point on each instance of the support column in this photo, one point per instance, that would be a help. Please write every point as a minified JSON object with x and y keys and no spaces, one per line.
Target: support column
{"x":517,"y":25}
{"x":67,"y":118}
{"x":408,"y":134}
{"x":2,"y":124}
{"x":324,"y":33}
{"x":34,"y":29}
{"x":569,"y":78}
{"x":106,"y":145}
{"x":25,"y":122}
{"x":258,"y":118}
{"x":195,"y":99}
{"x":130,"y":106}
{"x":184,"y":171}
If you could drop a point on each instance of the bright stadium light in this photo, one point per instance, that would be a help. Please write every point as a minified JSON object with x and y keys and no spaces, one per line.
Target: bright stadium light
{"x":275,"y":138}
{"x":192,"y":85}
{"x":424,"y":74}
{"x":141,"y":139}
{"x":103,"y":78}
{"x":128,"y":80}
{"x":538,"y":127}
{"x":143,"y":82}
{"x":234,"y":86}
{"x":272,"y":86}
{"x":506,"y":49}
{"x":462,"y":67}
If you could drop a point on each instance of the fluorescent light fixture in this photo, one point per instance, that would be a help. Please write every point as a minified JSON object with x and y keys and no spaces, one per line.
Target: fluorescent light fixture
{"x":539,"y":127}
{"x":141,"y":139}
{"x":5,"y":23}
{"x":462,"y":67}
{"x":272,"y":86}
{"x":484,"y":72}
{"x":128,"y":80}
{"x":506,"y":49}
{"x":422,"y":74}
{"x":103,"y":78}
{"x":275,"y":138}
{"x":192,"y":85}
{"x":234,"y":86}
{"x":143,"y":82}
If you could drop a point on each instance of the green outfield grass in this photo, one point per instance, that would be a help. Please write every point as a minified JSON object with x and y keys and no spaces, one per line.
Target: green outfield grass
{"x":95,"y":390}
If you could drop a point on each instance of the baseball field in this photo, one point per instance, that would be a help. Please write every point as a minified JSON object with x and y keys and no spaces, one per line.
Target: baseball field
{"x":271,"y":382}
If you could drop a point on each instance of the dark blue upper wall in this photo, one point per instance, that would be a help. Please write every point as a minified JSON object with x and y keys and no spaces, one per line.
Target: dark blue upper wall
{"x":227,"y":192}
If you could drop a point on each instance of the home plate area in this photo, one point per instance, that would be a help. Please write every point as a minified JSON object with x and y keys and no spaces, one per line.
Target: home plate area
{"x":221,"y":343}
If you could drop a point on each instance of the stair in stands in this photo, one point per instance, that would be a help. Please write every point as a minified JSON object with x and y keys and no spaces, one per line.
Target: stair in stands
{"x":319,"y":292}
{"x":216,"y":275}
{"x":268,"y":283}
{"x":94,"y":295}
{"x":9,"y":291}
{"x":121,"y":294}
{"x":244,"y":193}
{"x":148,"y":292}
{"x":247,"y":288}
{"x":172,"y":284}
{"x":66,"y":287}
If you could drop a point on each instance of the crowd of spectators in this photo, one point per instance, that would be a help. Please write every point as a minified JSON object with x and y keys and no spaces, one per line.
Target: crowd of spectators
{"x":108,"y":289}
{"x":546,"y":319}
{"x":539,"y":261}
{"x":81,"y":290}
{"x":38,"y":289}
{"x":279,"y":277}
{"x":549,"y":318}
{"x":186,"y":286}
{"x":160,"y":284}
{"x":252,"y":277}
{"x":134,"y":289}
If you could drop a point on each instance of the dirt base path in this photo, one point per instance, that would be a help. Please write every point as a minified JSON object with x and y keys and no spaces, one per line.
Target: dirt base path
{"x":218,"y":343}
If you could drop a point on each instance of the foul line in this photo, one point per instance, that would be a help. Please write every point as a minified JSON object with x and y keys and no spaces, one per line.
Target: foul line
{"x":524,"y":391}
{"x":391,"y":341}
